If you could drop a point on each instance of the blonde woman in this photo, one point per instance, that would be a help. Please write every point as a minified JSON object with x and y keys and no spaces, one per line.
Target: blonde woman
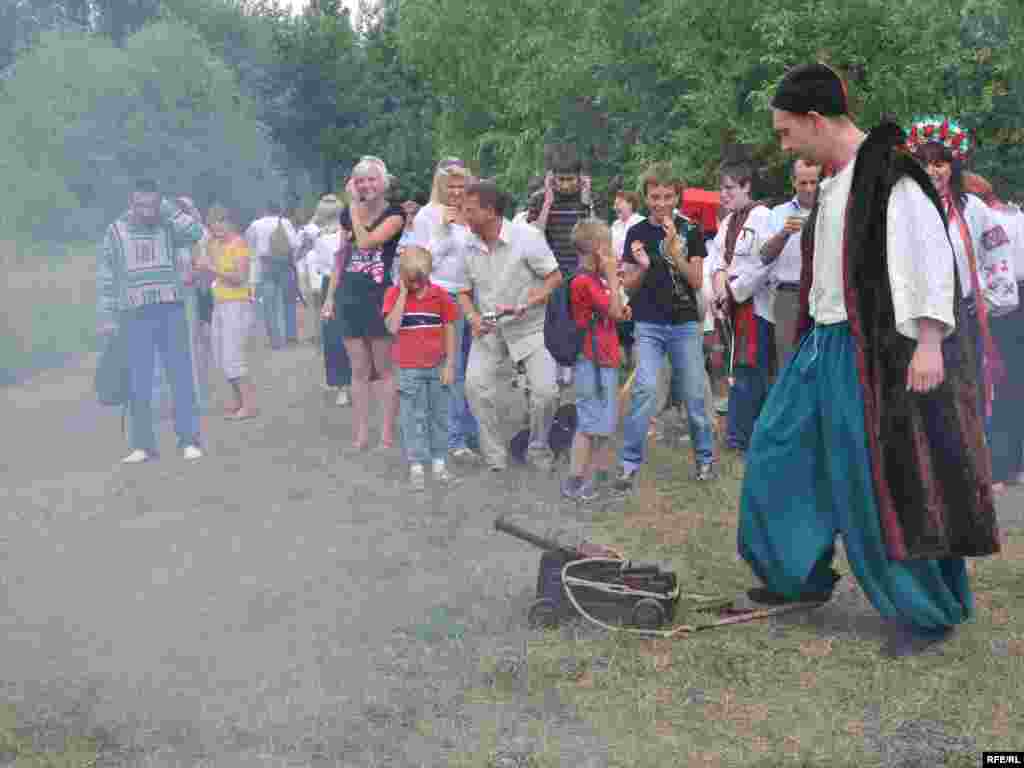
{"x":371,"y":229}
{"x":228,"y":265}
{"x":439,"y":228}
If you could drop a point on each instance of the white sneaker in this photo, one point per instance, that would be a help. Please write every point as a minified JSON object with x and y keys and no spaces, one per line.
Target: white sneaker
{"x":417,"y":478}
{"x":465,"y":455}
{"x":443,"y":476}
{"x":343,"y":398}
{"x":135,"y":457}
{"x":192,"y":452}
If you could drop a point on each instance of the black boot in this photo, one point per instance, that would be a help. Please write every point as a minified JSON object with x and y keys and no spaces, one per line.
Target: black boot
{"x":764,"y":596}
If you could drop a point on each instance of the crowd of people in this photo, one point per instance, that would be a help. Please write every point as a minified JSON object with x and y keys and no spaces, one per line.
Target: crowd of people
{"x":416,"y":309}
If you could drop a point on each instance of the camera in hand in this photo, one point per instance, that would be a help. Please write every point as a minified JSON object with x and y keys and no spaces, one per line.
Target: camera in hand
{"x":491,"y":318}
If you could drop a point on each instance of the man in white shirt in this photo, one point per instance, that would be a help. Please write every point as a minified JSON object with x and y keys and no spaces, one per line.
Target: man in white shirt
{"x":782,"y":250}
{"x":871,"y":431}
{"x":744,"y":294}
{"x":626,"y":206}
{"x":510,"y":271}
{"x":268,"y":278}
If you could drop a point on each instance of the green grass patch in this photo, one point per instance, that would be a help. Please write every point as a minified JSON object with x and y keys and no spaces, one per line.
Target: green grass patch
{"x":742,"y":695}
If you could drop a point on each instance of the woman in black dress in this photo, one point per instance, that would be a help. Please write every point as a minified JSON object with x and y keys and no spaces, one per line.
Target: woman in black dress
{"x":371,"y":229}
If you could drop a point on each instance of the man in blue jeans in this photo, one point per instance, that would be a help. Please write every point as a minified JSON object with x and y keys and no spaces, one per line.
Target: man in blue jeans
{"x":140,"y":291}
{"x":664,"y":269}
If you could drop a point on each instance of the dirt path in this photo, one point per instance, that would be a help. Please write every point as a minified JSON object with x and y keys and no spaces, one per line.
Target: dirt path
{"x":277,"y":601}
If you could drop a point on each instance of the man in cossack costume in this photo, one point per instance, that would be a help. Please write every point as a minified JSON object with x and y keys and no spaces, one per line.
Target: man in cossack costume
{"x":871,"y":430}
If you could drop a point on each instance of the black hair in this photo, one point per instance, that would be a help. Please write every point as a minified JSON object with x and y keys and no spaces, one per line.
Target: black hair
{"x":933,"y":152}
{"x":562,"y":159}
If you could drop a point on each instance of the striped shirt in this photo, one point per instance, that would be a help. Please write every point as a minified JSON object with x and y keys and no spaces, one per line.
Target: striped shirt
{"x":137,"y":265}
{"x":562,"y":217}
{"x":420,"y":340}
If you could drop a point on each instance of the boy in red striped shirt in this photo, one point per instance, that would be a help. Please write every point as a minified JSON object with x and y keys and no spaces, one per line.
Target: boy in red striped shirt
{"x":419,"y":315}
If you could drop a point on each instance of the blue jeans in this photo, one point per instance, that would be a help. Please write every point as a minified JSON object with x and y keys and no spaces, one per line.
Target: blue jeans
{"x":684,"y":345}
{"x":291,"y":315}
{"x":750,"y":388}
{"x":160,"y":327}
{"x":462,"y":427}
{"x":270,"y":292}
{"x":423,"y":414}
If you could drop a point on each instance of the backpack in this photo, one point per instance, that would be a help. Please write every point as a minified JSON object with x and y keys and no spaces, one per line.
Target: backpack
{"x":280,"y":256}
{"x":562,"y":337}
{"x":113,"y":377}
{"x":563,"y":429}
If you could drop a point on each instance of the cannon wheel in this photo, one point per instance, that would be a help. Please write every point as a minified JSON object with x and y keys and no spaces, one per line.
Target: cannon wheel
{"x":648,"y":614}
{"x":543,"y":613}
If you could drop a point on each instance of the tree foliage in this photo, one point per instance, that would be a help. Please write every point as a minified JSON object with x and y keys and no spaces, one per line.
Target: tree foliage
{"x":241,"y":99}
{"x":83,"y":118}
{"x":686,"y":80}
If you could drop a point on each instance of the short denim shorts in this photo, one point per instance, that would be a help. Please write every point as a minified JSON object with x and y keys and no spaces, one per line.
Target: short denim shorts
{"x":596,"y":414}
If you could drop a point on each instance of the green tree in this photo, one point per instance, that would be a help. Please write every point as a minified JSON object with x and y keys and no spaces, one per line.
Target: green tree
{"x":684,"y":81}
{"x":83,"y":118}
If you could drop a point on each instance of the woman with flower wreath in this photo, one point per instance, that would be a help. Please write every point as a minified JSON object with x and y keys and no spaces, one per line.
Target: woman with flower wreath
{"x":980,"y":244}
{"x":371,"y":229}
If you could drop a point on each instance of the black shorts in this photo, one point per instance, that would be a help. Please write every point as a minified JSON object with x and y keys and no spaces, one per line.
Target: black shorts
{"x":358,"y":304}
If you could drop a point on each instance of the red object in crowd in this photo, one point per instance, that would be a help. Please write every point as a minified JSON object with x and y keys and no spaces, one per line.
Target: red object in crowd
{"x":702,"y":205}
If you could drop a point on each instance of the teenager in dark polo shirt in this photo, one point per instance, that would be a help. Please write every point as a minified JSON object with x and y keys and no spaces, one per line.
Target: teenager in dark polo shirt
{"x":664,"y":269}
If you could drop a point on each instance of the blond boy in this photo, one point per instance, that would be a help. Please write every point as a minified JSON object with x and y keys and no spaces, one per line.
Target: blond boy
{"x":597,"y":302}
{"x":421,"y":316}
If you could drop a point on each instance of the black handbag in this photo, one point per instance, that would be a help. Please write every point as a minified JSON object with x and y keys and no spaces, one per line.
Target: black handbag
{"x":113,"y":378}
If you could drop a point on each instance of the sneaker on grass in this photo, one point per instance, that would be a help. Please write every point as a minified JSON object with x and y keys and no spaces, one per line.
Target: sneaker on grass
{"x":588,"y":492}
{"x":625,"y":481}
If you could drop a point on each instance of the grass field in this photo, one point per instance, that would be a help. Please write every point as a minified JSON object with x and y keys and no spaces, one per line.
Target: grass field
{"x":810,"y":689}
{"x":49,"y":305}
